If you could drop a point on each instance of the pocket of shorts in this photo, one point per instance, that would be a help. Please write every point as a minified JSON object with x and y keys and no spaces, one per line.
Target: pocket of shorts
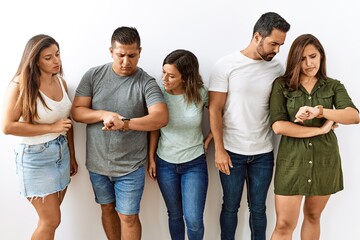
{"x":38,"y":148}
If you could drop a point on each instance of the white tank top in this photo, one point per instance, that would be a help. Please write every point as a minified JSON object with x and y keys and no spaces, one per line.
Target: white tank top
{"x":59,"y":109}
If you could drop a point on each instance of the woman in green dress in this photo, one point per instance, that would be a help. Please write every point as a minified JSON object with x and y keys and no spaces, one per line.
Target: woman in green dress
{"x":305,"y":106}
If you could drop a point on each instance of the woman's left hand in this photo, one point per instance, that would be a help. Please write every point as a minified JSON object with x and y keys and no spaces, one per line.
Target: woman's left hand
{"x":73,"y":167}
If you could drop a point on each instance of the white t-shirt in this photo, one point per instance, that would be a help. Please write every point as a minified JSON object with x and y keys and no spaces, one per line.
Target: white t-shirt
{"x":248,"y":84}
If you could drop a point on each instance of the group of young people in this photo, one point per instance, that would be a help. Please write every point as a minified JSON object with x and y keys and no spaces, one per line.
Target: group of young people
{"x":249,"y":97}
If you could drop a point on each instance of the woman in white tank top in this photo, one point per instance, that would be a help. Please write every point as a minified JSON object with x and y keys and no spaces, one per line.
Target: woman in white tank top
{"x":37,"y":108}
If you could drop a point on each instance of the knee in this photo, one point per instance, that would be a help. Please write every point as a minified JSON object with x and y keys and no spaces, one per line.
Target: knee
{"x":313,"y":218}
{"x":284,"y":226}
{"x":129,"y":220}
{"x":258,"y":209}
{"x":51,"y":223}
{"x":194,"y":225}
{"x":108,"y":208}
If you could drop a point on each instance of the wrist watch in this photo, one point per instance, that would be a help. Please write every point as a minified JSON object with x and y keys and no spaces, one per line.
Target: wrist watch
{"x":126,"y":123}
{"x":321,"y":111}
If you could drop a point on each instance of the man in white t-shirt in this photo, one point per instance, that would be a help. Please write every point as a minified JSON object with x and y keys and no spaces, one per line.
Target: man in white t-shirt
{"x":239,"y":91}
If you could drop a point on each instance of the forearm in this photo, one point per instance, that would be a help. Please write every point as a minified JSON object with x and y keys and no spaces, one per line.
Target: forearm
{"x":70,"y":138}
{"x":157,"y":118}
{"x":153,"y":142}
{"x":25,"y":129}
{"x":344,"y":116}
{"x":216,"y":126}
{"x":87,"y":115}
{"x":290,"y":129}
{"x":149,"y":122}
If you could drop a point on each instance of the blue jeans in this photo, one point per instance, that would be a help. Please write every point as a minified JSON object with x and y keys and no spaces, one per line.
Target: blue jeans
{"x":184,"y":188}
{"x":257,"y":171}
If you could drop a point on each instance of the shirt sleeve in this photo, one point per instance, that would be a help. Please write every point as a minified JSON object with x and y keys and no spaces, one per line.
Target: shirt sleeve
{"x":342,"y":99}
{"x":219,"y":79}
{"x":84,"y":88}
{"x":153,"y":94}
{"x":278,"y":102}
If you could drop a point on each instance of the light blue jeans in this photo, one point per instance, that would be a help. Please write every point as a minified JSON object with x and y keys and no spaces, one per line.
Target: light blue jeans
{"x":184,"y":188}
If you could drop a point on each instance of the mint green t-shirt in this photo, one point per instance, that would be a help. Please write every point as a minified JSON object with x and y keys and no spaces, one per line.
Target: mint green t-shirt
{"x":182,"y":139}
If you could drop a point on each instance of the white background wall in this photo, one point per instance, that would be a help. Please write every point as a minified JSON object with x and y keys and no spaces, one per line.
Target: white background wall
{"x":210,"y":29}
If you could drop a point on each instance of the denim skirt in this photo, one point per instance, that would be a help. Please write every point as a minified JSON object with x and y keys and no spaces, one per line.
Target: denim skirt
{"x":43,"y":168}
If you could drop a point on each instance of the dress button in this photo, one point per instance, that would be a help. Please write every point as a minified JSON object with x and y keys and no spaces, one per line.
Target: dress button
{"x":310,"y":162}
{"x":309,"y":180}
{"x":309,"y":97}
{"x":310,"y":144}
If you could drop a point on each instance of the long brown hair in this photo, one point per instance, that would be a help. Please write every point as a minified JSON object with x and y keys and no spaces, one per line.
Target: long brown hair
{"x":188,"y":66}
{"x":29,"y":73}
{"x":293,"y":66}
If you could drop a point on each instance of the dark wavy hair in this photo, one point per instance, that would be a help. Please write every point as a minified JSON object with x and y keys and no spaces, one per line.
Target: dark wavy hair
{"x":188,"y":66}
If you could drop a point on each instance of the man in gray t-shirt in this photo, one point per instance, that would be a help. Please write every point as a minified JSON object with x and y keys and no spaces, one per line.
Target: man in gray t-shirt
{"x":119,"y":102}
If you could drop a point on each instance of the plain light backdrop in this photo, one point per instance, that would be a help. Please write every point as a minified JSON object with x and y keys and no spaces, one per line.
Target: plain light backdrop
{"x":210,"y":29}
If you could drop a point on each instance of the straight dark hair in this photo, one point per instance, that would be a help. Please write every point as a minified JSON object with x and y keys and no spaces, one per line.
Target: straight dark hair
{"x":29,"y":73}
{"x":293,"y":65}
{"x":126,"y":36}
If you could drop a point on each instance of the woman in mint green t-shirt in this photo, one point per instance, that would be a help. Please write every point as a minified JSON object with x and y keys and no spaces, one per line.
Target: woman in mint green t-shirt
{"x":177,"y":153}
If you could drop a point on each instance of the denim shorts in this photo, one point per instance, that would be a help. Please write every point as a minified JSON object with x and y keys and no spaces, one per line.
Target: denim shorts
{"x":43,"y":168}
{"x":126,"y":191}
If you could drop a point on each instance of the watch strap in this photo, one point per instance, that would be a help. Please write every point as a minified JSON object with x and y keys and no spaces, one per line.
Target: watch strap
{"x":126,"y":124}
{"x":321,"y":111}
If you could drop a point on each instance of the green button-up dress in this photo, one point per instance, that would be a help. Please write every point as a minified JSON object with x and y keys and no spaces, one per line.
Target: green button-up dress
{"x":308,"y":166}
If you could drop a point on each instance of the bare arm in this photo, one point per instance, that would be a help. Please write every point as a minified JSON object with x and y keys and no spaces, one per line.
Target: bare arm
{"x":216,"y":104}
{"x":71,"y":145}
{"x":207,"y":141}
{"x":153,"y":142}
{"x":157,"y":118}
{"x":348,"y":115}
{"x":12,"y":114}
{"x":81,"y":111}
{"x":290,"y":129}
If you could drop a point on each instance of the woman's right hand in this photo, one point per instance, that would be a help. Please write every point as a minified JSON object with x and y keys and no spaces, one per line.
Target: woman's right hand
{"x":62,"y":125}
{"x":328,"y":125}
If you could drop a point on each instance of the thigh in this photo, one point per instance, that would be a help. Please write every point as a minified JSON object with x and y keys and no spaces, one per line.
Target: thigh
{"x":288,"y":209}
{"x":259,"y":176}
{"x":128,"y":191}
{"x":194,"y":185}
{"x":103,"y":188}
{"x":169,"y":183}
{"x":314,"y":205}
{"x":48,"y":208}
{"x":233,"y":184}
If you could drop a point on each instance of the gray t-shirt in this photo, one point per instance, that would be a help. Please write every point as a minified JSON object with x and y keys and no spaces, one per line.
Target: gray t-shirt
{"x":117,"y":153}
